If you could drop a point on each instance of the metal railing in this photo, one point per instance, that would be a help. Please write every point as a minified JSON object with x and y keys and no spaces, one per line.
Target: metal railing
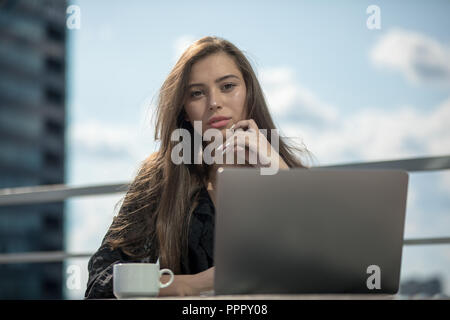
{"x":55,"y":193}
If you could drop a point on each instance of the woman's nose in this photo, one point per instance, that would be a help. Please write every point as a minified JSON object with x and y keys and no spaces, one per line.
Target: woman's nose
{"x":214,"y":105}
{"x":214,"y":100}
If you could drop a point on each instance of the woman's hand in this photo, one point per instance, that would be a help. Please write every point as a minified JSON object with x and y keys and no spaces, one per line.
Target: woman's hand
{"x":189,"y":284}
{"x":258,"y":151}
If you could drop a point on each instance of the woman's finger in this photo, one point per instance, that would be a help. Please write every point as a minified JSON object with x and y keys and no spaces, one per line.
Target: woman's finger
{"x":246,"y":124}
{"x":243,"y":139}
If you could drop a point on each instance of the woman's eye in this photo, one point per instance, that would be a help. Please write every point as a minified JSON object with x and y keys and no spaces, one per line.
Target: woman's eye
{"x":195,"y":93}
{"x":225,"y":87}
{"x":228,"y":86}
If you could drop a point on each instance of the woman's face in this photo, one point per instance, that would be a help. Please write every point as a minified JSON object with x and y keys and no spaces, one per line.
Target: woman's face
{"x":216,"y":88}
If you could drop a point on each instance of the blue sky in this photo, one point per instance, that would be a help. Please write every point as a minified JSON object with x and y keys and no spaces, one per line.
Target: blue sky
{"x":346,"y":92}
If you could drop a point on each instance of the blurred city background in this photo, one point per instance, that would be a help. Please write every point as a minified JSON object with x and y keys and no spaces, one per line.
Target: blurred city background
{"x":354,"y":81}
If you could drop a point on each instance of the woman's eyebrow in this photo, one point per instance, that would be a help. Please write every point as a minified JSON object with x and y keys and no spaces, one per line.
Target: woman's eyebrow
{"x":216,"y":81}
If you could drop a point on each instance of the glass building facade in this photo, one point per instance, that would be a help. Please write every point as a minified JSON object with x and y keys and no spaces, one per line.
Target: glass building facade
{"x":32,"y":140}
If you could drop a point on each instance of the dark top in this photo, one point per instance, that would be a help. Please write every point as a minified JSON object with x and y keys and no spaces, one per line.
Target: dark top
{"x":199,"y":257}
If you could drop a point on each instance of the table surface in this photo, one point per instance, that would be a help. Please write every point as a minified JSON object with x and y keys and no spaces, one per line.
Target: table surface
{"x":209,"y":296}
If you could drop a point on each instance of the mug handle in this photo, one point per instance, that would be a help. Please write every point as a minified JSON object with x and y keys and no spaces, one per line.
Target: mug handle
{"x":168,"y":283}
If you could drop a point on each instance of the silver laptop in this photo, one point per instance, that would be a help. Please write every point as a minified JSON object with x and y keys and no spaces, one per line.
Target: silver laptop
{"x":309,"y":231}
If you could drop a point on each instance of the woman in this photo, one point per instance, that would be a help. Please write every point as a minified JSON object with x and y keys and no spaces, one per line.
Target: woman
{"x":168,"y":211}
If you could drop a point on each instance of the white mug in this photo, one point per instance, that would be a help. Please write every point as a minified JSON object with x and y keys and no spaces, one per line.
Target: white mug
{"x":138,"y":280}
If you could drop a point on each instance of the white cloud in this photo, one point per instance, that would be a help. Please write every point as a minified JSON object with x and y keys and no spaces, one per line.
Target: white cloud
{"x":102,"y":139}
{"x":105,"y":152}
{"x":181,"y":44}
{"x":288,"y":98}
{"x":421,"y":59}
{"x":375,"y":134}
{"x":368,"y":134}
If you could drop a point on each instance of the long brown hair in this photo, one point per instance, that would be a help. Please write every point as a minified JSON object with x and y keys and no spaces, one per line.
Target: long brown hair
{"x":156,"y":210}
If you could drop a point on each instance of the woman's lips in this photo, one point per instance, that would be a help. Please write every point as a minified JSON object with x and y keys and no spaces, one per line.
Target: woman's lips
{"x":220,"y":124}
